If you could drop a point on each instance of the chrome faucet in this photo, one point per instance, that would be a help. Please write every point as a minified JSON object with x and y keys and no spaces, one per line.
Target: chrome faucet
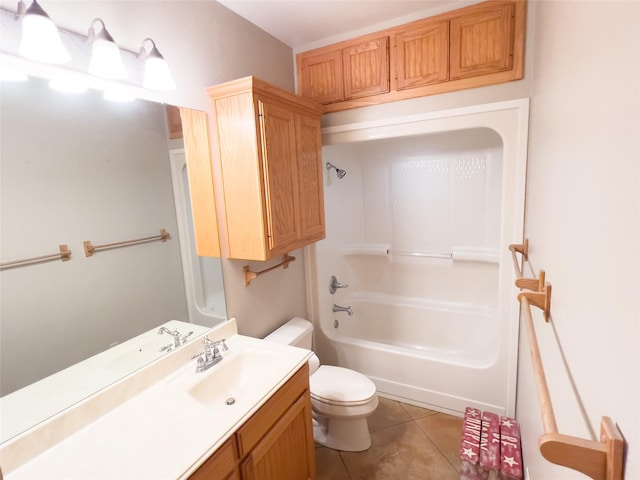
{"x":338,"y":308}
{"x":335,"y":284}
{"x":175,"y":334}
{"x":211,"y":355}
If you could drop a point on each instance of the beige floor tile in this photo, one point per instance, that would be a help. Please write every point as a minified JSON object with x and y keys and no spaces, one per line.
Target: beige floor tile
{"x":329,"y":465}
{"x":400,"y":452}
{"x":417,"y":412}
{"x":445,"y":431}
{"x":388,"y":413}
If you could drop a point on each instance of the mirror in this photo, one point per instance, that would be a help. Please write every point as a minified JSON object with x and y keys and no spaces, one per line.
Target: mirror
{"x":78,"y":168}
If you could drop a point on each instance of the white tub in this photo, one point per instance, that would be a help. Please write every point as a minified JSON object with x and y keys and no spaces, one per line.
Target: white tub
{"x":447,"y":332}
{"x":434,"y":354}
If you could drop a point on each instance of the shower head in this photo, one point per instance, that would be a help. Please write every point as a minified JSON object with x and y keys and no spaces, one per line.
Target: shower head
{"x":341,"y":173}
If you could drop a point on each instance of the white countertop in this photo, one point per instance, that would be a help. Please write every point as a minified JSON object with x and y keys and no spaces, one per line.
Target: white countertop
{"x":165,"y":432}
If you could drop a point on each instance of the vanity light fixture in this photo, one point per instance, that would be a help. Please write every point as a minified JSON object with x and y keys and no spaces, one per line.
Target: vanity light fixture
{"x":68,"y":84}
{"x":8,"y":74}
{"x":156,"y":70}
{"x":106,"y":61}
{"x":40,"y":40}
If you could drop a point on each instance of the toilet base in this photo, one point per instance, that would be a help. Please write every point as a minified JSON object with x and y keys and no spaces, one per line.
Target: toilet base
{"x":346,"y":434}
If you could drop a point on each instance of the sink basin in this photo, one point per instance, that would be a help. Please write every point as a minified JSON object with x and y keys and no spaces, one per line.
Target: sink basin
{"x":238,"y":378}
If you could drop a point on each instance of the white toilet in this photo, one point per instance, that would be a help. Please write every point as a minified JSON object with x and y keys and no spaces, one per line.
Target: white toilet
{"x":342,"y":399}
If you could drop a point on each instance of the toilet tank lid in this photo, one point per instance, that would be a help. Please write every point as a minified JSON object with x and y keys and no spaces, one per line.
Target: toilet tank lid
{"x":291,"y":332}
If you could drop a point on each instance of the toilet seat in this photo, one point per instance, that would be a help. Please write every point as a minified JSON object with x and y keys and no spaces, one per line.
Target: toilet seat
{"x":339,"y":386}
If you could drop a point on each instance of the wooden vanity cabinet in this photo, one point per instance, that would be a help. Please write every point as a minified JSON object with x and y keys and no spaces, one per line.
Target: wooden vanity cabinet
{"x":269,"y":147}
{"x":222,"y":465}
{"x":482,"y":44}
{"x":276,"y":443}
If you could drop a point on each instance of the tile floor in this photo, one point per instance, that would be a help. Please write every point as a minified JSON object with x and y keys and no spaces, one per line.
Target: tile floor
{"x":407,"y":443}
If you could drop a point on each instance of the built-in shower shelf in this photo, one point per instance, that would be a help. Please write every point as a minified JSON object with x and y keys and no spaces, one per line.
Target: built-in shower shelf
{"x":600,"y":460}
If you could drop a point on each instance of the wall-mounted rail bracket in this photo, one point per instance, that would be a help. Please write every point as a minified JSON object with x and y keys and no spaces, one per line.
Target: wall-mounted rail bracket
{"x":601,"y":460}
{"x":540,"y":299}
{"x":534,"y":284}
{"x":249,"y":275}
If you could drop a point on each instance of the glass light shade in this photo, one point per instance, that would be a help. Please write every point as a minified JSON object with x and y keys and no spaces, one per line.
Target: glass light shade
{"x":40,"y":39}
{"x":106,"y":61}
{"x":157,"y":75}
{"x":68,"y":85}
{"x":118,"y":96}
{"x":9,"y":74}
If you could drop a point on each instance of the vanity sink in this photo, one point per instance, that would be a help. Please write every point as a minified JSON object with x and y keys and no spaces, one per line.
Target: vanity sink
{"x":237,"y":378}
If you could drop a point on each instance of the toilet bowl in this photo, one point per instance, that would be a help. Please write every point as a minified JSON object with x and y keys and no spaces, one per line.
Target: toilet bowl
{"x":341,"y":398}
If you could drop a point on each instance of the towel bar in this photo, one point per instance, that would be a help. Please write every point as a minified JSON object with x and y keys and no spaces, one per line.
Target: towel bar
{"x":600,"y":460}
{"x":64,"y":255}
{"x":249,"y":275}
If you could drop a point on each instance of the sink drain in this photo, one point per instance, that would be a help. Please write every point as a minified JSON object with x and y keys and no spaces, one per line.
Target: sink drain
{"x":230,"y":401}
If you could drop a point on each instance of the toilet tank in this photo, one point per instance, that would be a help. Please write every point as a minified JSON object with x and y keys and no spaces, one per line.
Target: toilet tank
{"x":297,"y":332}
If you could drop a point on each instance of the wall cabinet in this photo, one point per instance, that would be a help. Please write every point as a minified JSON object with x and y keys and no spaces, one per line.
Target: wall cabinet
{"x":482,"y":44}
{"x":200,"y":175}
{"x":345,"y":71}
{"x":269,"y":147}
{"x":275,"y":443}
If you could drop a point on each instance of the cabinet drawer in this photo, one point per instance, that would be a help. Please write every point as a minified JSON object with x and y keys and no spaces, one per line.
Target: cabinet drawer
{"x":261,"y":422}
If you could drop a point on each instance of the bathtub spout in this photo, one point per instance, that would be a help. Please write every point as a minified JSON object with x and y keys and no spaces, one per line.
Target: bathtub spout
{"x":338,"y":308}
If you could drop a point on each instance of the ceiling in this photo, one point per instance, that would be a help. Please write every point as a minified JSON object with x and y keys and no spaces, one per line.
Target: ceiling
{"x":304,"y":24}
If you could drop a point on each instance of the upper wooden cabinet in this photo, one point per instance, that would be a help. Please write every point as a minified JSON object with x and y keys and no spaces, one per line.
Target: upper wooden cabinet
{"x":482,"y":44}
{"x":420,"y":54}
{"x":482,"y":40}
{"x":270,"y":151}
{"x":200,"y":175}
{"x":346,"y":70}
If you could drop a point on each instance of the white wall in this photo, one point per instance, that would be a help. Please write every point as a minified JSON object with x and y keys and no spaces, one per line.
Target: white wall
{"x":583,"y":218}
{"x":205,"y":44}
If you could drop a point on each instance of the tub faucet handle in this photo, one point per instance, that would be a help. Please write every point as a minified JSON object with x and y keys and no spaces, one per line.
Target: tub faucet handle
{"x":335,"y":285}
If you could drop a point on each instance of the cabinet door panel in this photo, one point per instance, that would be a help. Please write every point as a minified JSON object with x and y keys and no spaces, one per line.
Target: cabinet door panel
{"x":320,"y":76}
{"x":222,"y":465}
{"x":482,"y":41}
{"x":287,"y":451}
{"x":421,"y":55}
{"x":278,"y":138}
{"x":309,"y":147}
{"x":366,"y":68}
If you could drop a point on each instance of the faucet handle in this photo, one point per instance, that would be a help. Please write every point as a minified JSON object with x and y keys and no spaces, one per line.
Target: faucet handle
{"x":335,"y":284}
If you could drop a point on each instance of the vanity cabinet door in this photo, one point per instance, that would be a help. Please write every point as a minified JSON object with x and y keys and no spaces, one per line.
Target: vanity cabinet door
{"x":222,"y":465}
{"x":284,"y":452}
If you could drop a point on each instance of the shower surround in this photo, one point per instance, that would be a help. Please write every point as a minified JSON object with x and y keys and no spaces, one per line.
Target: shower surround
{"x":418,"y":230}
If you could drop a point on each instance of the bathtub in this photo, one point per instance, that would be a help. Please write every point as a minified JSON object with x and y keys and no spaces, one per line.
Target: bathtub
{"x":430,"y":353}
{"x":446,"y":332}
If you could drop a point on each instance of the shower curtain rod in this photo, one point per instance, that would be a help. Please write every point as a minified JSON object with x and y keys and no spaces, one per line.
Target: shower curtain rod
{"x":600,"y":460}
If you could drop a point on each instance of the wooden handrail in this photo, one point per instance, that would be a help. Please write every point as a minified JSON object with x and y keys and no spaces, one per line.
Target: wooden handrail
{"x":249,"y":275}
{"x":90,"y":249}
{"x":600,"y":460}
{"x":64,"y":255}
